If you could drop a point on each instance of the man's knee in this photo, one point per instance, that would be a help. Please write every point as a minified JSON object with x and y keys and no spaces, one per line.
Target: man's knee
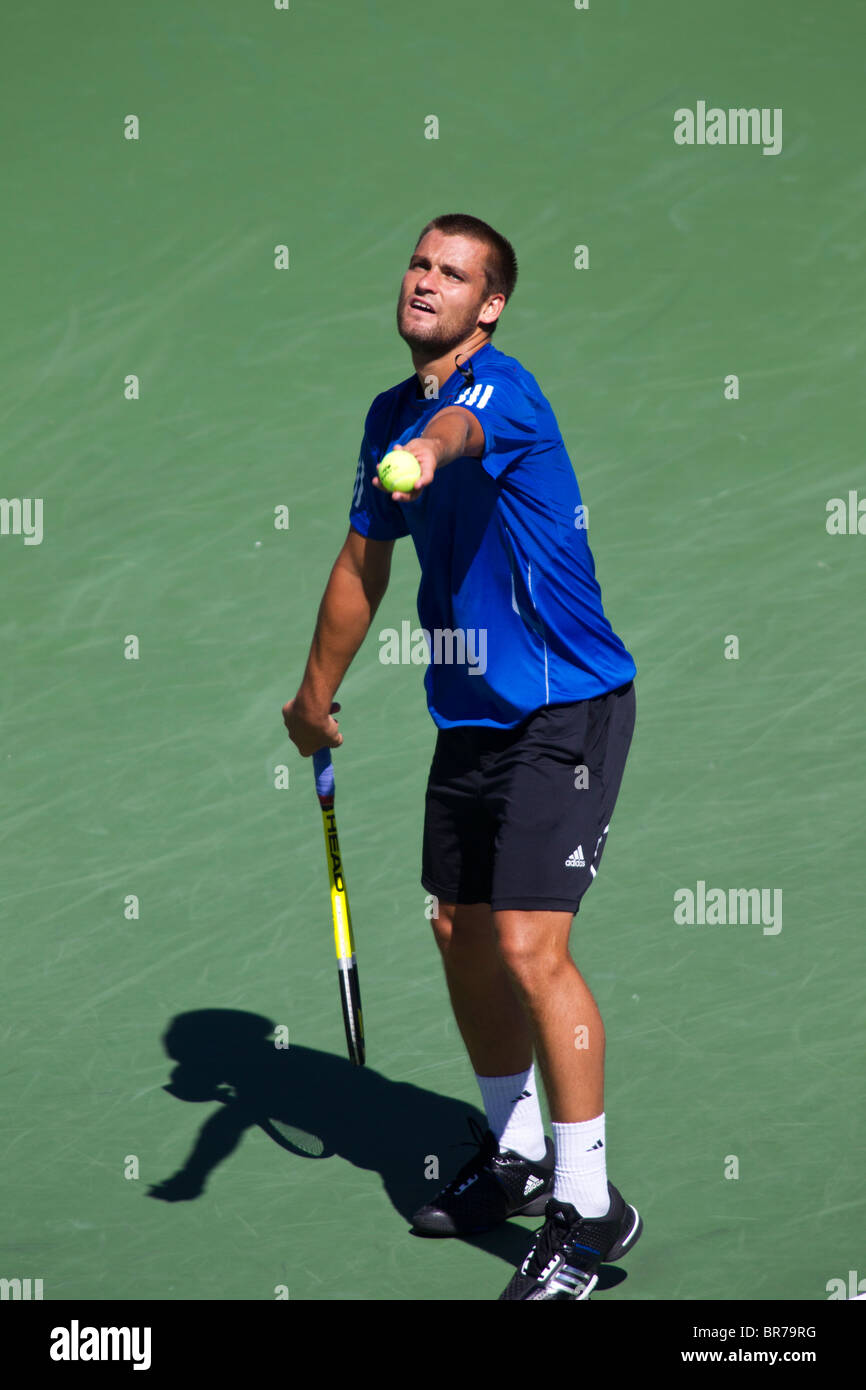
{"x":442,"y":922}
{"x":533,"y":945}
{"x":461,"y":923}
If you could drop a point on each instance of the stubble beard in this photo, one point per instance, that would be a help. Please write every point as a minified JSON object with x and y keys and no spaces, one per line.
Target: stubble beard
{"x":441,"y":340}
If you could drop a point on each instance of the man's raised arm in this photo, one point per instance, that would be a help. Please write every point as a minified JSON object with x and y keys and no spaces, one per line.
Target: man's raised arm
{"x":354,"y":591}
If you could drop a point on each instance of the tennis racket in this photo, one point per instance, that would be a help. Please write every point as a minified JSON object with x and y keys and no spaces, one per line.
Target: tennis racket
{"x":350,"y":994}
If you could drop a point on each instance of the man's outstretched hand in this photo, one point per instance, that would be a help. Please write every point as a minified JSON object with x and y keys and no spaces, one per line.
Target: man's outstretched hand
{"x":309,"y":728}
{"x":427,"y":453}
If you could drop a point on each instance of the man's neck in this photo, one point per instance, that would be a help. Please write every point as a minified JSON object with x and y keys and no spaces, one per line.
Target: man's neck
{"x":444,"y":367}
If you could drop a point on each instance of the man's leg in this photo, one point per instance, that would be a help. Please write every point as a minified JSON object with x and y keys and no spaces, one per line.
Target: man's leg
{"x":562,"y":1015}
{"x":515,"y":989}
{"x":512,"y":1172}
{"x":494,"y":1026}
{"x":569,"y":1041}
{"x":492,"y":1021}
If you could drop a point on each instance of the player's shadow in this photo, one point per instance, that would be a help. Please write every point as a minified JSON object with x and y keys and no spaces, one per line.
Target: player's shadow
{"x":315,"y":1106}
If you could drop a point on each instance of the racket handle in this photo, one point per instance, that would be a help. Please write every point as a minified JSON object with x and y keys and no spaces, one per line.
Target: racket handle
{"x":323,"y":770}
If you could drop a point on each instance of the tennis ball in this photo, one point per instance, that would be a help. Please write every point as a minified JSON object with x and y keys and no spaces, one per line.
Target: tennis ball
{"x":399,"y":471}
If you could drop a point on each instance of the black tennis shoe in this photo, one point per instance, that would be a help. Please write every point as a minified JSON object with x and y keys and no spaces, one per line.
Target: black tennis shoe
{"x":563,"y":1263}
{"x":495,"y":1184}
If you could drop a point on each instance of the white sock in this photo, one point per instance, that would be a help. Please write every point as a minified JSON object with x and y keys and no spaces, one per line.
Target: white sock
{"x":513,"y":1113}
{"x":581,"y":1167}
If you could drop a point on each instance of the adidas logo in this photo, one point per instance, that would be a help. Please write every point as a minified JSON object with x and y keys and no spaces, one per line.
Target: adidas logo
{"x":522,"y":1096}
{"x":599,"y":1144}
{"x":576,"y":860}
{"x":532,"y":1184}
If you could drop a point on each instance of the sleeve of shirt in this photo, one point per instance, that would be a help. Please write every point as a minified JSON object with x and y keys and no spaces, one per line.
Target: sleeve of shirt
{"x":506,"y":413}
{"x":373,"y":513}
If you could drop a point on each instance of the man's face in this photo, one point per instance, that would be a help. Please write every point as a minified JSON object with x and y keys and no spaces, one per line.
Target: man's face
{"x":446,"y":274}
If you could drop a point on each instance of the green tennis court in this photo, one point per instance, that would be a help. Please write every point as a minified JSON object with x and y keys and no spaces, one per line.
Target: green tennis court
{"x":167,"y":389}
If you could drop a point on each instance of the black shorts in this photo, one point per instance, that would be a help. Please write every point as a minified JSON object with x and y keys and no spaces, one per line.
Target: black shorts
{"x":518,"y":818}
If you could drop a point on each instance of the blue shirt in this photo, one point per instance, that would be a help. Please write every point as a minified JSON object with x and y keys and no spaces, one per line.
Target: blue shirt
{"x":508,"y":598}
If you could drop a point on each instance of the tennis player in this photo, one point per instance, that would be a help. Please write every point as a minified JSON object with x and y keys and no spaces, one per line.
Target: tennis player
{"x":532,"y":692}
